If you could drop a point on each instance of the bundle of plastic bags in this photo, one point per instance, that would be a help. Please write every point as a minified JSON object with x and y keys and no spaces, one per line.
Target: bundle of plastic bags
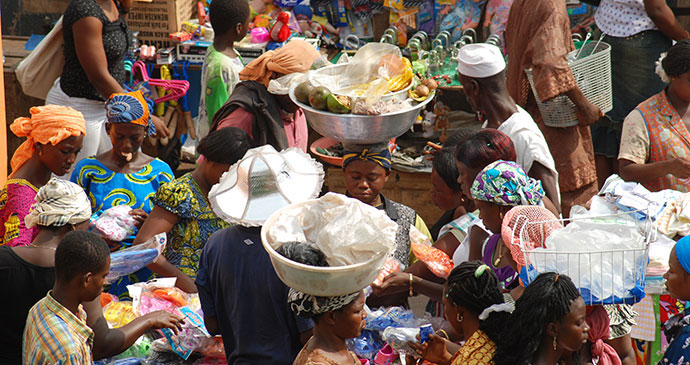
{"x":606,"y":261}
{"x":346,"y":230}
{"x":161,"y":294}
{"x":134,"y":258}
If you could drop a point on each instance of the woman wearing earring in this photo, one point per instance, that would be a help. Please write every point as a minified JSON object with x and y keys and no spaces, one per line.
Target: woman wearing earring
{"x":655,"y":142}
{"x":54,"y":136}
{"x":548,"y":323}
{"x":474,"y":306}
{"x":501,"y":186}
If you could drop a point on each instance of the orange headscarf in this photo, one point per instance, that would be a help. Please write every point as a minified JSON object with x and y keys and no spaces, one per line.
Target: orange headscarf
{"x":47,"y":124}
{"x":296,"y":56}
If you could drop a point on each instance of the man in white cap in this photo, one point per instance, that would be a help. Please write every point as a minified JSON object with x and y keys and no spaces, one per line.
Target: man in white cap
{"x":241,"y":295}
{"x":481,"y":70}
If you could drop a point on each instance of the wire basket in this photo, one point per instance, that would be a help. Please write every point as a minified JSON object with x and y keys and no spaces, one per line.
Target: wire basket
{"x":621,"y":277}
{"x":592,"y":71}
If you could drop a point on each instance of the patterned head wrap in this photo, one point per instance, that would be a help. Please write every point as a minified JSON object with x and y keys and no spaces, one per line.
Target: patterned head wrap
{"x":382,"y":157}
{"x":296,"y":56}
{"x":683,"y":253}
{"x":59,"y":202}
{"x":47,"y":124}
{"x":309,"y":306}
{"x":129,"y":107}
{"x":506,"y":183}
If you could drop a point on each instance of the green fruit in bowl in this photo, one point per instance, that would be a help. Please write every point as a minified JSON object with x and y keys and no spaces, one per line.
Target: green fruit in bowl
{"x":338,"y":104}
{"x":318,"y":96}
{"x":302,"y":92}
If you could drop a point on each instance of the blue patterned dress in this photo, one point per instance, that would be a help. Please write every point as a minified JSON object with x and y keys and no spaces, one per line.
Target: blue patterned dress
{"x":107,"y":189}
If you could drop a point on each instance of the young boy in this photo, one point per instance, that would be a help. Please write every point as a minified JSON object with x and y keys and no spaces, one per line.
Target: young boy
{"x":56,"y":330}
{"x":222,"y":65}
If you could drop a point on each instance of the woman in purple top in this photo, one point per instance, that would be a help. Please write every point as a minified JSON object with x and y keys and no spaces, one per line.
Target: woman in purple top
{"x":499,"y":187}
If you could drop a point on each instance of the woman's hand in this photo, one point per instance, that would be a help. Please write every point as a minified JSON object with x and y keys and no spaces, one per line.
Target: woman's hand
{"x":433,"y":350}
{"x":162,"y":319}
{"x":394,"y":283}
{"x":681,"y":168}
{"x":588,"y":114}
{"x":140,"y":215}
{"x":161,"y":129}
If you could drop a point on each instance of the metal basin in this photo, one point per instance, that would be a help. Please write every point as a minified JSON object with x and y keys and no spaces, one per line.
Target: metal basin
{"x":361,"y":129}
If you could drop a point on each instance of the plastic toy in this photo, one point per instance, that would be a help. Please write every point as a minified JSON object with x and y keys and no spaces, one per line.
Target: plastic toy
{"x":280,"y":31}
{"x":259,"y":35}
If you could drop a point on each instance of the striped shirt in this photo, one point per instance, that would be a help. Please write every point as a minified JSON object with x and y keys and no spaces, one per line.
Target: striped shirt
{"x":54,"y":335}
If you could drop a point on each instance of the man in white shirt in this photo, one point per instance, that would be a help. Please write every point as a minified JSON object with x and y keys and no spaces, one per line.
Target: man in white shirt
{"x":481,"y":70}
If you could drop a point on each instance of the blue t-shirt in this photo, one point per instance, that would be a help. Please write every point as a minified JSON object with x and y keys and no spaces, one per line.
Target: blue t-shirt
{"x":238,"y":285}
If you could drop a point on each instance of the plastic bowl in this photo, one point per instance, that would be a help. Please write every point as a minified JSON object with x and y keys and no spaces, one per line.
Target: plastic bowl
{"x":320,"y":281}
{"x":325,"y":143}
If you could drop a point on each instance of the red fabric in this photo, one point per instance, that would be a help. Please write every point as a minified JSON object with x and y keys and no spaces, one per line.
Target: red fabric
{"x":598,"y":321}
{"x":295,"y":126}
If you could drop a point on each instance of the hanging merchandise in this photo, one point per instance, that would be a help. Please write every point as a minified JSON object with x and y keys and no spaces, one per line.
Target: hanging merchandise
{"x":425,"y":18}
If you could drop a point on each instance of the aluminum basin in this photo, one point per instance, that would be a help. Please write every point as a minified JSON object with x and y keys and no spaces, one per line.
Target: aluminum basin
{"x":361,"y":129}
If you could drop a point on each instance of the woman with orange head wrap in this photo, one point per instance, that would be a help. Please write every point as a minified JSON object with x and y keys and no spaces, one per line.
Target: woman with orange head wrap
{"x":260,"y":106}
{"x":54,"y":136}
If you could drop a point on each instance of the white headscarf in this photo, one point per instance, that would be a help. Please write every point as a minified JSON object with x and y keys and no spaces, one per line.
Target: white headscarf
{"x":59,"y":202}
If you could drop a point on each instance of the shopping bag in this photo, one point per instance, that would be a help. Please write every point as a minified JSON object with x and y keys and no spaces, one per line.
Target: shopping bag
{"x":39,"y":70}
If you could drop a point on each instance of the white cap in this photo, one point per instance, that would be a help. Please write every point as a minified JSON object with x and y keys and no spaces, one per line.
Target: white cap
{"x":480,"y":60}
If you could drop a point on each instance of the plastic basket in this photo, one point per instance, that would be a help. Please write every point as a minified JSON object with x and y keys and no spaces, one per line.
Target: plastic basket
{"x":592,"y":71}
{"x":571,"y":263}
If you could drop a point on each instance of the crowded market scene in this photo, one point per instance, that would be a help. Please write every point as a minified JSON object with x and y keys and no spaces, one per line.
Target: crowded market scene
{"x":320,"y":182}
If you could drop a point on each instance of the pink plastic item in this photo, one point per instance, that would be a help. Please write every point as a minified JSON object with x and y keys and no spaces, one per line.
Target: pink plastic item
{"x":259,"y":35}
{"x":386,"y":356}
{"x":364,"y":361}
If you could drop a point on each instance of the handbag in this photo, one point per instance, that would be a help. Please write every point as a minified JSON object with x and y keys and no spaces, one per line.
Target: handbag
{"x":39,"y":70}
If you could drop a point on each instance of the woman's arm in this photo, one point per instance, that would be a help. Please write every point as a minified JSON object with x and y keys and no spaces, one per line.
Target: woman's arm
{"x":587,"y":113}
{"x":663,"y":18}
{"x":631,"y":171}
{"x":548,"y":182}
{"x":160,"y":220}
{"x":88,"y":42}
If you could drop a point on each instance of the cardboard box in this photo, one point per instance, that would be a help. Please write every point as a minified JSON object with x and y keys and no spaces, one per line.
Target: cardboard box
{"x":156,"y":19}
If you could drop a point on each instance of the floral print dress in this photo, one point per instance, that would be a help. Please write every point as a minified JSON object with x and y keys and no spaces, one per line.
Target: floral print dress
{"x":184,"y":198}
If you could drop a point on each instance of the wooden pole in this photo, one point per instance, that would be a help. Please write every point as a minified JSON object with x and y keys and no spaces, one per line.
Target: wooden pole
{"x":3,"y":125}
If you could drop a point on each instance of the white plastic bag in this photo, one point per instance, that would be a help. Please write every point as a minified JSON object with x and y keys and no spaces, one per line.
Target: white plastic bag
{"x":115,"y":224}
{"x":346,"y":230}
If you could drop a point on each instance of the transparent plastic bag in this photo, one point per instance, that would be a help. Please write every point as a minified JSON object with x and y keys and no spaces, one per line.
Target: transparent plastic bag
{"x":608,"y":267}
{"x":399,"y":337}
{"x":131,"y":259}
{"x":366,"y":64}
{"x":390,"y":266}
{"x":115,"y":224}
{"x":346,"y":230}
{"x":435,"y":260}
{"x":161,"y":294}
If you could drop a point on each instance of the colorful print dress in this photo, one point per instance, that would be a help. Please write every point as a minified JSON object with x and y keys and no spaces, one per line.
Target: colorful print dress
{"x":16,"y":199}
{"x":477,"y":350}
{"x":187,"y":238}
{"x":107,"y":189}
